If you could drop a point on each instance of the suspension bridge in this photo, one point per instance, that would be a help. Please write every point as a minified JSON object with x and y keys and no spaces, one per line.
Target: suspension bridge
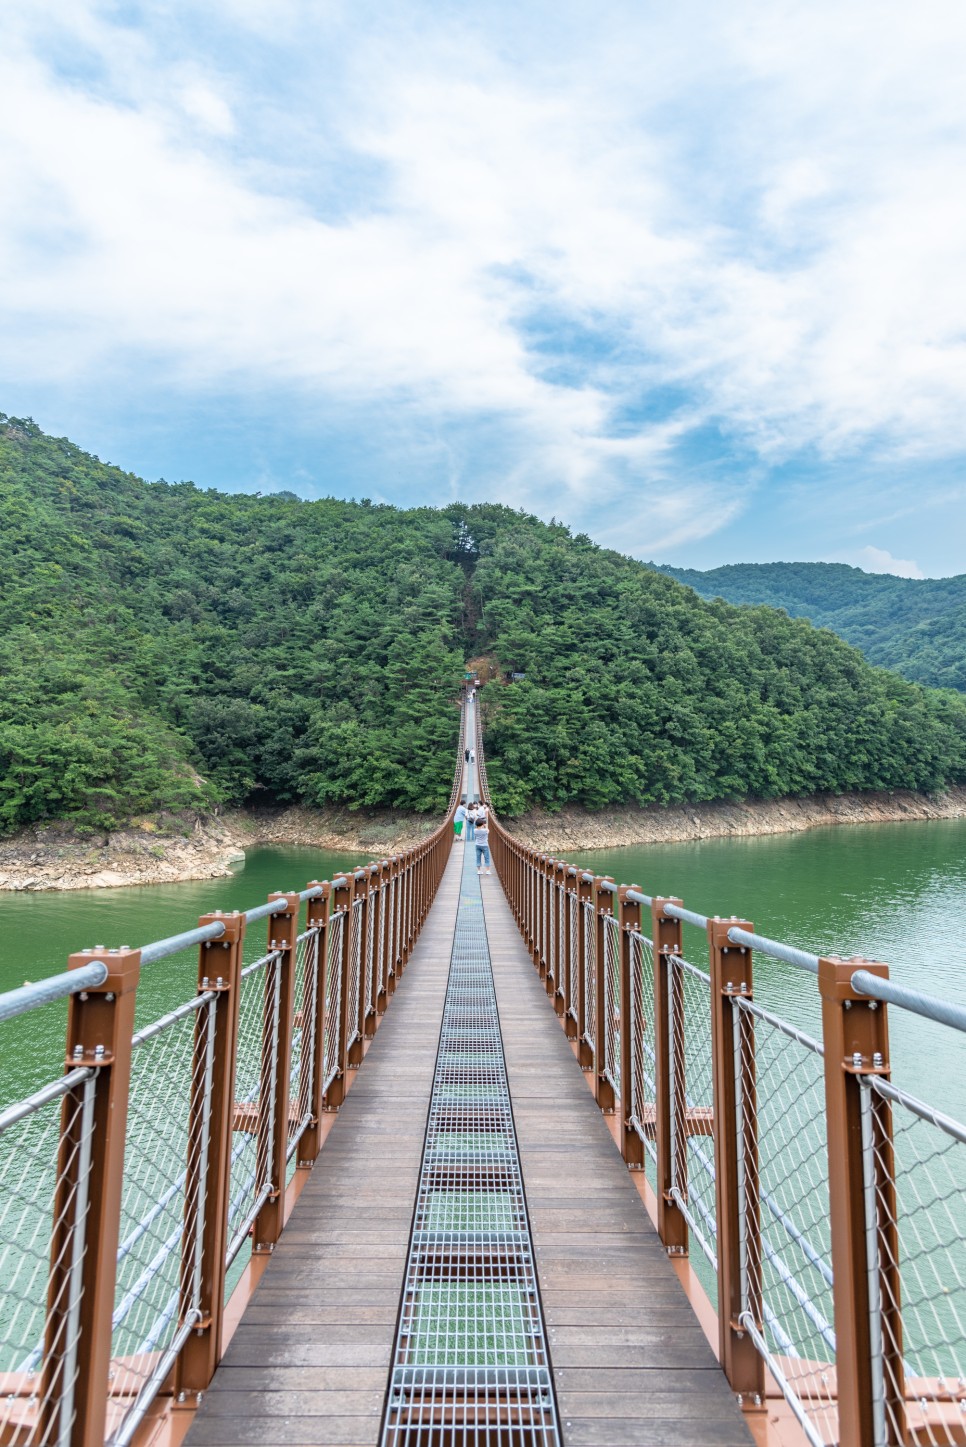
{"x":447,"y":1158}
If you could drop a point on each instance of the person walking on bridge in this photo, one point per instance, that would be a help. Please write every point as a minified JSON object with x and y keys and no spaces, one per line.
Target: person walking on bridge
{"x":471,"y":820}
{"x":482,"y":840}
{"x":458,"y":818}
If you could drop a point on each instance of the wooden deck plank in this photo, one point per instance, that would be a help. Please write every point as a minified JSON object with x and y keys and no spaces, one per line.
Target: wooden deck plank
{"x":631,"y":1365}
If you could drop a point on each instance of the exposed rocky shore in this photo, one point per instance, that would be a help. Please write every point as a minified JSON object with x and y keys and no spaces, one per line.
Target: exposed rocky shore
{"x":168,"y":850}
{"x":575,"y":828}
{"x":165,"y":851}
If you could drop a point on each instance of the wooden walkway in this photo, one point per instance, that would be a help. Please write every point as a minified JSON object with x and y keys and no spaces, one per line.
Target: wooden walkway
{"x":309,"y":1363}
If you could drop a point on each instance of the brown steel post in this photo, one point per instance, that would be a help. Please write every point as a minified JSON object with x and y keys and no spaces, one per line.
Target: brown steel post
{"x":208,"y":1176}
{"x":736,"y":1161}
{"x":373,"y":933}
{"x":865,"y":1252}
{"x":569,"y":1003}
{"x":603,"y":910}
{"x":343,"y":893}
{"x":670,"y":1101}
{"x":283,"y":929}
{"x":392,"y":926}
{"x":538,"y":913}
{"x":357,"y":1027}
{"x":631,"y":1024}
{"x":550,"y":952}
{"x":100,"y":1023}
{"x":534,"y":907}
{"x":585,"y":896}
{"x":546,"y":885}
{"x":318,"y":917}
{"x":558,"y":890}
{"x":385,"y":936}
{"x":405,"y":913}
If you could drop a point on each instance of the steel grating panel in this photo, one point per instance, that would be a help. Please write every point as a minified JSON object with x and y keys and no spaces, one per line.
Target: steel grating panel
{"x":471,"y":1363}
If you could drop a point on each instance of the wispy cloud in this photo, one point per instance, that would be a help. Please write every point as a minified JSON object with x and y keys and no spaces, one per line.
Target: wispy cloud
{"x":555,"y":251}
{"x":880,"y":560}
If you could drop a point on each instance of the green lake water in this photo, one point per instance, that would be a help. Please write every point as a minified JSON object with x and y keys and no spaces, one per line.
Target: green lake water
{"x":895,"y":892}
{"x":39,"y":930}
{"x":891,"y":892}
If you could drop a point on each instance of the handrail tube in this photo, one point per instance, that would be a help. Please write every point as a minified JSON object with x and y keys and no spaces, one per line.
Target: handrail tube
{"x":46,"y":1095}
{"x":311,"y":893}
{"x":262,"y":911}
{"x":943,"y":1012}
{"x":55,"y":987}
{"x":801,"y":959}
{"x":636,"y":896}
{"x":687,"y":916}
{"x":160,"y":949}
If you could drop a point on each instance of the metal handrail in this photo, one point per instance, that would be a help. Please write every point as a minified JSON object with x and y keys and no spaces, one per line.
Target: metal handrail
{"x":55,"y":987}
{"x":943,"y":1012}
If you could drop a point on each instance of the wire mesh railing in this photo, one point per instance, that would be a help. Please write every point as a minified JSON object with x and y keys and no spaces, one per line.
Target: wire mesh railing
{"x":46,"y":1146}
{"x":136,"y":1182}
{"x":823,"y":1205}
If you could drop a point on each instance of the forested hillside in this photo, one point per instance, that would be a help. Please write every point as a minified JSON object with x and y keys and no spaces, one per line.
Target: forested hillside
{"x":914,"y":625}
{"x":166,"y":648}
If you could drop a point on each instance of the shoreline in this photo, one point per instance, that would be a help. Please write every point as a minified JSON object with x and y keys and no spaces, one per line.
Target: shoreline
{"x":172,"y":851}
{"x":576,"y":828}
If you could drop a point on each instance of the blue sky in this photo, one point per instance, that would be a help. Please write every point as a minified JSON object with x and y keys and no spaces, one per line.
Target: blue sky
{"x":689,"y":278}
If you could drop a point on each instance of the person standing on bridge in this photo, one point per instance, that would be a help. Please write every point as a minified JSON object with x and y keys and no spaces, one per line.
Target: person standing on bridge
{"x":482,"y":840}
{"x":458,"y":818}
{"x":471,"y":820}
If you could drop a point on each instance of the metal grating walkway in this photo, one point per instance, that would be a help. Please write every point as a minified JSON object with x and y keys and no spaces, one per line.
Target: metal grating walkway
{"x":470,"y":1364}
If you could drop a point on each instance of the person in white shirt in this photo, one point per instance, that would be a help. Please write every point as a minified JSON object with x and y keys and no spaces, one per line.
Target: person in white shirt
{"x":471,"y":820}
{"x":482,"y":840}
{"x":458,"y":818}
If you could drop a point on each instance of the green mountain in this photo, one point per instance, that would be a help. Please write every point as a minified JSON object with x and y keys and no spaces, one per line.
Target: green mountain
{"x":168,"y":648}
{"x":915,"y":625}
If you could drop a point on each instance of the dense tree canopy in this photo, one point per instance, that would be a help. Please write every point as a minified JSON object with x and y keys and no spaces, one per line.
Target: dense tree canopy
{"x":164,"y":647}
{"x":916,"y":626}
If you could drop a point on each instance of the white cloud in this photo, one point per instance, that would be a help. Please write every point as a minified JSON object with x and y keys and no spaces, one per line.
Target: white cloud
{"x":758,"y":209}
{"x":878,"y":560}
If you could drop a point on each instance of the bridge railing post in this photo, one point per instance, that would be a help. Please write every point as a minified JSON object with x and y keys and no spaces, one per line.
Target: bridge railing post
{"x":87,"y":1205}
{"x":343,"y":893}
{"x":737,"y":1204}
{"x":208,"y":1174}
{"x":406,"y":909}
{"x":318,"y":918}
{"x":357,"y":967}
{"x":547,"y":970}
{"x":603,"y":913}
{"x":274,"y":1097}
{"x":862,"y":1210}
{"x":385,"y":936}
{"x":631,"y":1024}
{"x":560,"y":913}
{"x":570,"y":951}
{"x":368,"y":959}
{"x":530,"y":903}
{"x":586,"y":933}
{"x":392,"y":926}
{"x":550,"y":926}
{"x":670,"y":1099}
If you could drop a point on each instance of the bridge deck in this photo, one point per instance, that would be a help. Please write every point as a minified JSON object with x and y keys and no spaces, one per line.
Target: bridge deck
{"x":309,"y":1362}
